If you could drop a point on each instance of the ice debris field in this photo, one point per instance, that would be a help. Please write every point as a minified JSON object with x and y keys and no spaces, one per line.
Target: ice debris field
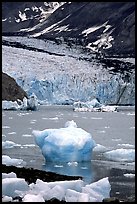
{"x":76,"y":145}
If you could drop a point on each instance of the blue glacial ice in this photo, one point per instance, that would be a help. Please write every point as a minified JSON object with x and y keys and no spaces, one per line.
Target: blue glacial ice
{"x":66,"y":144}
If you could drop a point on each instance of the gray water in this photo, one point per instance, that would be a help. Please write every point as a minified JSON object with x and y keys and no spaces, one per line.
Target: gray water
{"x":109,"y":129}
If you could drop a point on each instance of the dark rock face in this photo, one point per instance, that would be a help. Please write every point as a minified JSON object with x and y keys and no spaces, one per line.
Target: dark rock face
{"x":112,"y":21}
{"x":11,"y":91}
{"x":22,"y":15}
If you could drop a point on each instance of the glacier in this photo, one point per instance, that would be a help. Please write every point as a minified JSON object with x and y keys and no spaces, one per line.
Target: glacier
{"x":64,"y":75}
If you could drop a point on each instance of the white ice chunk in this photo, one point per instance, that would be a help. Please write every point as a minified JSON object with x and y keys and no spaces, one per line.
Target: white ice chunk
{"x":121,"y":155}
{"x":9,"y":175}
{"x":15,"y":162}
{"x":65,"y":144}
{"x":10,"y":185}
{"x":98,"y":190}
{"x":33,"y":198}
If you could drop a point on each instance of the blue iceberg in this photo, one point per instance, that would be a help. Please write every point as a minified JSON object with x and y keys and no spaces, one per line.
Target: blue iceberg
{"x":66,"y":144}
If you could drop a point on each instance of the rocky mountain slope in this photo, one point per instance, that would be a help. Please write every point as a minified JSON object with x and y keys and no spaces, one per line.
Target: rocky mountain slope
{"x":106,"y":27}
{"x":11,"y":91}
{"x":17,"y":16}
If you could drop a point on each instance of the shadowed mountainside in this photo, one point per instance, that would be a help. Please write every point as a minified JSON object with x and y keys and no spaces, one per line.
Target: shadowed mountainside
{"x":106,"y":27}
{"x":11,"y":91}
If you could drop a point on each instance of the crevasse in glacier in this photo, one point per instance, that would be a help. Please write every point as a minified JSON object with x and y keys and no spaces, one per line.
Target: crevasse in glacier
{"x":67,"y":89}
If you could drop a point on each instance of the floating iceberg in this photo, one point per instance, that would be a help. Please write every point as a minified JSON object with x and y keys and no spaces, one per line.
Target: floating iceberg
{"x":10,"y":105}
{"x":27,"y":104}
{"x":12,"y":161}
{"x":93,"y":105}
{"x":9,"y":144}
{"x":127,"y":155}
{"x":65,"y":144}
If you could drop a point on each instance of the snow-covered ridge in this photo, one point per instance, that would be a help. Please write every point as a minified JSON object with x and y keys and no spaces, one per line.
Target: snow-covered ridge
{"x":45,"y":9}
{"x":64,"y":79}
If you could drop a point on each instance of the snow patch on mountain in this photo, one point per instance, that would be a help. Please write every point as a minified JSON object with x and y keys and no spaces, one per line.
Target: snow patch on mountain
{"x":22,"y":16}
{"x":104,"y":42}
{"x":94,"y":28}
{"x":90,"y":30}
{"x":49,"y":29}
{"x":4,"y":19}
{"x":40,"y":11}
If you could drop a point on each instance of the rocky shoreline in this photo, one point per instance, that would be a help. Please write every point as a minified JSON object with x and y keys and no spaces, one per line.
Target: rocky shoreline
{"x":11,"y":91}
{"x":31,"y":175}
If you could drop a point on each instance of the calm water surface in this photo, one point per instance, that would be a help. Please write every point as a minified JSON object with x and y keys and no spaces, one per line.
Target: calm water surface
{"x":109,"y":129}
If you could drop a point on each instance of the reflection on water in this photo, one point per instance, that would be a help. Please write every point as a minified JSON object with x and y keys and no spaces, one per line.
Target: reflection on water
{"x":83,"y":169}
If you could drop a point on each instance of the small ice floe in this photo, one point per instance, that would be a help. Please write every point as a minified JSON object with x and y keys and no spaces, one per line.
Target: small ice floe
{"x":9,"y":161}
{"x":129,"y":175}
{"x":127,"y":155}
{"x":72,"y":163}
{"x":99,"y":148}
{"x":84,"y":167}
{"x":96,"y":118}
{"x":33,"y":121}
{"x":11,"y":133}
{"x":28,"y":145}
{"x":106,"y":127}
{"x":10,"y":105}
{"x":9,"y":144}
{"x":101,"y":131}
{"x":6,"y":199}
{"x":131,"y":113}
{"x":116,"y":139}
{"x":9,"y":175}
{"x":132,"y":127}
{"x":5,"y":127}
{"x":127,"y":145}
{"x":92,"y":106}
{"x":26,"y":135}
{"x":68,"y":144}
{"x":55,"y":118}
{"x":58,"y":166}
